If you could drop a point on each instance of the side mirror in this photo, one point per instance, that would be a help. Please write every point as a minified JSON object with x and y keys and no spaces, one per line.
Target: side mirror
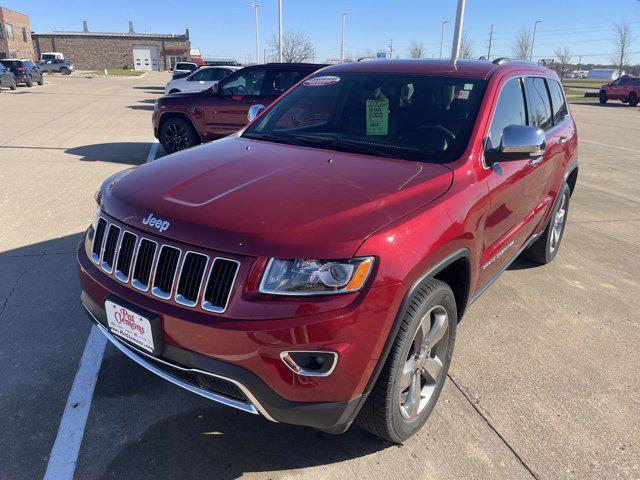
{"x":254,"y":111}
{"x":519,"y":142}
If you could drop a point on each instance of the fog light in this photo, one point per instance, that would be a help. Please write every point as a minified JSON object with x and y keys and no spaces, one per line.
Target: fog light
{"x":310,"y":363}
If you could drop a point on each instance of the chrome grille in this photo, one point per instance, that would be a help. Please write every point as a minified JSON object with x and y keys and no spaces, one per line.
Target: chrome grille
{"x":98,"y":238}
{"x":190,"y":281}
{"x":165,"y":271}
{"x":221,"y":277}
{"x":125,"y":256}
{"x":163,"y":268}
{"x":109,"y":251}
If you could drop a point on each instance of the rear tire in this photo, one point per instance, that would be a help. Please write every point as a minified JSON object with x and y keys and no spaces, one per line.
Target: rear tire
{"x":41,"y":81}
{"x":603,"y":97}
{"x":29,"y":82}
{"x":14,"y":85}
{"x":174,"y":91}
{"x":545,"y":249}
{"x":633,"y":99}
{"x":415,"y":371}
{"x":177,"y":134}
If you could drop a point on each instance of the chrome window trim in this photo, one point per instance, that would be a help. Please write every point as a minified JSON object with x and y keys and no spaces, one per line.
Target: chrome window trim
{"x":205,"y":305}
{"x":286,"y":359}
{"x":137,"y":356}
{"x":119,"y":274}
{"x":135,"y":283}
{"x":93,"y":255}
{"x":155,"y":291}
{"x":115,"y":251}
{"x":179,"y":298}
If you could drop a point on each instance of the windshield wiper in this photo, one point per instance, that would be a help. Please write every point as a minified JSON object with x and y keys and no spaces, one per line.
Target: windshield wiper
{"x":272,"y":137}
{"x":344,"y":145}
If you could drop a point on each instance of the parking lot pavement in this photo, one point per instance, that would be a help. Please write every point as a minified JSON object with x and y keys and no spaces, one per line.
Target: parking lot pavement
{"x":544,"y":381}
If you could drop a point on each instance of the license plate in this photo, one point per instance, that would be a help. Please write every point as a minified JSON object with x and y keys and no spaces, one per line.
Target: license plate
{"x":130,"y":326}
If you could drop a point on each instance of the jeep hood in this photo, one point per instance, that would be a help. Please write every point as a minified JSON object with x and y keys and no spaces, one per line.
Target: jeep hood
{"x":265,"y":199}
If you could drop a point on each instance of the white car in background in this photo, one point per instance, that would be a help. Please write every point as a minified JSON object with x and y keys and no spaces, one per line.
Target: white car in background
{"x":201,"y":79}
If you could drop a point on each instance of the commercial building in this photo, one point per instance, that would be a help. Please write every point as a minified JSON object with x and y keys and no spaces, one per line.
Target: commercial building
{"x":15,"y":35}
{"x":127,"y":50}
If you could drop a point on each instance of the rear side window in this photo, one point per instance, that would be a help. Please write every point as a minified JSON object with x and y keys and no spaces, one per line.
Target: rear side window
{"x":246,"y":82}
{"x":539,"y":103}
{"x":510,"y":110}
{"x":560,"y":110}
{"x":279,"y":81}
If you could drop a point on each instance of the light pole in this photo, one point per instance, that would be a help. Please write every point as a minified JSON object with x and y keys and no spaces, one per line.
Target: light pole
{"x":280,"y":31}
{"x":490,"y":43}
{"x":457,"y":32}
{"x":533,"y":41}
{"x":256,"y":6}
{"x":344,"y":23}
{"x":444,"y":24}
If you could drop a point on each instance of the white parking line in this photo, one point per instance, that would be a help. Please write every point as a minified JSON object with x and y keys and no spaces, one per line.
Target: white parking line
{"x":64,"y":455}
{"x":152,"y":152}
{"x":612,"y":146}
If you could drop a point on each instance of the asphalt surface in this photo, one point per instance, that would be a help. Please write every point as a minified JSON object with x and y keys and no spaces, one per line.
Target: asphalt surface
{"x":544,"y":382}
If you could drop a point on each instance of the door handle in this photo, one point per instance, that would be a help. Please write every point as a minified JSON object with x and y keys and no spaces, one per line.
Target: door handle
{"x":536,"y":161}
{"x":564,"y":140}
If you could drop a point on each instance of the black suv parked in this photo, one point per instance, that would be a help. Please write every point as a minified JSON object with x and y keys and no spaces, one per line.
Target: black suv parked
{"x":7,"y":78}
{"x":25,"y":71}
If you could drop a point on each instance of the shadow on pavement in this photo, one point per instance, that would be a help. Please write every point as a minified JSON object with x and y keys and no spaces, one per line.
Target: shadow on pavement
{"x":523,"y":264}
{"x":140,"y":107}
{"x":155,"y":87}
{"x":129,"y":153}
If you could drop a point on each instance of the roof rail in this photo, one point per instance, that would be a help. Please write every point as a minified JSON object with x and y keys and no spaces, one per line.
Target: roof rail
{"x":505,"y":60}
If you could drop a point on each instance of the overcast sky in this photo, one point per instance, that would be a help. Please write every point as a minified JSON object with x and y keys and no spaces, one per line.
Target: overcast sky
{"x":225,"y":29}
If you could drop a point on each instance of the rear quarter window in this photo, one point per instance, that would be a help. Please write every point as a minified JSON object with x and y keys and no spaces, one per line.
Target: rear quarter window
{"x":558,"y":103}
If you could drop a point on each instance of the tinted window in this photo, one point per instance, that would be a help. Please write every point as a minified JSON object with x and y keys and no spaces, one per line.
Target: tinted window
{"x":558,"y":103}
{"x":539,"y":103}
{"x":279,"y":81}
{"x":24,"y":34}
{"x":186,"y":66}
{"x":246,"y":82}
{"x":413,"y":117}
{"x":510,"y":110}
{"x":204,"y":75}
{"x":220,"y":73}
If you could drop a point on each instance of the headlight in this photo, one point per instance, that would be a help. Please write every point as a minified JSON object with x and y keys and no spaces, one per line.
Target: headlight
{"x":315,"y":277}
{"x":96,"y":216}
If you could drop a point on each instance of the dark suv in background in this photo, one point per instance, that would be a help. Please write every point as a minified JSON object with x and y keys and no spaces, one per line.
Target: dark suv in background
{"x":7,"y":78}
{"x":25,"y":71}
{"x":183,"y":120}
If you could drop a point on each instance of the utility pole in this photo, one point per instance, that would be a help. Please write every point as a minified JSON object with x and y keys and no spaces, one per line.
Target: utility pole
{"x":444,"y":24}
{"x":344,"y":22}
{"x":391,"y":49}
{"x":490,"y":42}
{"x":280,"y":31}
{"x":533,"y":41}
{"x":256,"y":6}
{"x":457,"y":33}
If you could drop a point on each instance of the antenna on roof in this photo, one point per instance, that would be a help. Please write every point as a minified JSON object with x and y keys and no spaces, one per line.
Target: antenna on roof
{"x":457,"y":32}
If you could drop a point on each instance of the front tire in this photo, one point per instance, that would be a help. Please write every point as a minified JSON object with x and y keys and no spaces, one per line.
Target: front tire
{"x":29,"y":82}
{"x":545,"y":249}
{"x":177,"y":134}
{"x":603,"y":97}
{"x":65,"y":71}
{"x":633,"y":99}
{"x":41,"y":81}
{"x":14,"y":85}
{"x":415,"y":371}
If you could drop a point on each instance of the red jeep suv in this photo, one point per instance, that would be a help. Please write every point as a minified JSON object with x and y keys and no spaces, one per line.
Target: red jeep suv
{"x":183,"y":120}
{"x":313,"y":267}
{"x":626,"y":89}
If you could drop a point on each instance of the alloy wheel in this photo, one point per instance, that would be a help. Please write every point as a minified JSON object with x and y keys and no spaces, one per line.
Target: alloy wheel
{"x":424,"y":364}
{"x":176,"y":137}
{"x":558,"y":224}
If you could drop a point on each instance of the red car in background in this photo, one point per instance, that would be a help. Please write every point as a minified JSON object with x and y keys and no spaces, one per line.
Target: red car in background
{"x":183,"y":120}
{"x":625,"y":89}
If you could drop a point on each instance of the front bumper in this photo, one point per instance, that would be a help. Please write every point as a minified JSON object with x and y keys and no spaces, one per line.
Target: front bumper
{"x":231,"y":385}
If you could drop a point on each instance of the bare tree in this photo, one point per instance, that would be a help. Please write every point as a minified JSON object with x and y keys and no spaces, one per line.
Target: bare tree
{"x":563,"y":56}
{"x":623,"y":38}
{"x":416,"y":50}
{"x":466,"y":47}
{"x":522,"y":44}
{"x":296,"y":47}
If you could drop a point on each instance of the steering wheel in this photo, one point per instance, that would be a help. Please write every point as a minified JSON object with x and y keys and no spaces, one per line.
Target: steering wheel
{"x":240,"y":89}
{"x":439,"y":128}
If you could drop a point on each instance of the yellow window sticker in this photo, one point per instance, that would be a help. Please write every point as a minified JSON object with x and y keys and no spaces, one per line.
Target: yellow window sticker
{"x":378,"y":117}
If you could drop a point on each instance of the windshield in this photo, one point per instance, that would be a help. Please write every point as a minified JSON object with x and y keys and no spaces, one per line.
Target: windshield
{"x":414,"y":117}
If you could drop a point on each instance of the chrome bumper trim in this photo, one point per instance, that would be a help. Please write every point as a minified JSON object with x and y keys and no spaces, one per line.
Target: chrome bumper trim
{"x":137,"y":356}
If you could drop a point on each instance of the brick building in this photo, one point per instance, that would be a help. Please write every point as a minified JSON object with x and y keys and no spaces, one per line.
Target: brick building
{"x":129,"y":50}
{"x":15,"y":35}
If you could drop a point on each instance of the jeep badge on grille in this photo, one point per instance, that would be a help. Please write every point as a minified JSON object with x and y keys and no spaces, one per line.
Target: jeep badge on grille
{"x":152,"y":221}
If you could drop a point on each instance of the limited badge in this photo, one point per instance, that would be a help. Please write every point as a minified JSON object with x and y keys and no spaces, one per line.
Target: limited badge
{"x":321,"y":81}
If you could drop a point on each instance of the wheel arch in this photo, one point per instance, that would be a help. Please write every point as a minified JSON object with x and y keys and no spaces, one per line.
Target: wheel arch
{"x":169,"y":115}
{"x":571,"y":177}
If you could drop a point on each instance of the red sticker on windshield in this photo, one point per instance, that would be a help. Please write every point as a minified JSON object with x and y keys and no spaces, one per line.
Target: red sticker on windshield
{"x":321,"y":81}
